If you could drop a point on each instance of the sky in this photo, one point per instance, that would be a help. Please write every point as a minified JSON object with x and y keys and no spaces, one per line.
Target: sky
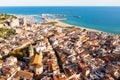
{"x":59,"y":2}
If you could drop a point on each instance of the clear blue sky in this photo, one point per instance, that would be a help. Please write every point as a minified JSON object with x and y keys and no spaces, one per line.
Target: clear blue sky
{"x":59,"y":2}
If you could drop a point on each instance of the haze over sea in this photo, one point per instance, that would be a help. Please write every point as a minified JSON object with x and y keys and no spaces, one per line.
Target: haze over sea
{"x":105,"y":19}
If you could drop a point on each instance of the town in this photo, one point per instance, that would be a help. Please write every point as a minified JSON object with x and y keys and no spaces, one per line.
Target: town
{"x":49,"y":51}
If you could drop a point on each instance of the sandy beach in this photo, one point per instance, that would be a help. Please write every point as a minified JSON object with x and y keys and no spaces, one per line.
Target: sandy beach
{"x":59,"y":23}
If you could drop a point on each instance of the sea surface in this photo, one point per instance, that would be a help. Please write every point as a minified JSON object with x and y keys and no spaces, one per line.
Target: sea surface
{"x":105,"y":19}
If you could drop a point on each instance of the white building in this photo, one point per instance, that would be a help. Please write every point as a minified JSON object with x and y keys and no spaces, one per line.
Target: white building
{"x":14,"y":23}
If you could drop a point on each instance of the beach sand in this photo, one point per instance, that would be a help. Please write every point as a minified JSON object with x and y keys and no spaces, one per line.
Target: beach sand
{"x":59,"y":23}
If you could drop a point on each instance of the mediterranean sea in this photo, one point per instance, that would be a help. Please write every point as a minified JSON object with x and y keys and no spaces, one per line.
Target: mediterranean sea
{"x":105,"y":19}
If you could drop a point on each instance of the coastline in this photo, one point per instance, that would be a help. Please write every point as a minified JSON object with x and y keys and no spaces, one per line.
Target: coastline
{"x":59,"y":23}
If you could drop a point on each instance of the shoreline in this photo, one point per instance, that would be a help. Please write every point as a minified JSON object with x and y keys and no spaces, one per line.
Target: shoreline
{"x":60,"y":23}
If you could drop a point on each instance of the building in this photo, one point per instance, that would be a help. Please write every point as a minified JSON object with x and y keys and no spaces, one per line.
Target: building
{"x":23,"y":75}
{"x":14,"y":22}
{"x":36,"y":64}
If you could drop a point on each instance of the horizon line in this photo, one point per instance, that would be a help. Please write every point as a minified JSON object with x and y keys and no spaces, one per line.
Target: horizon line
{"x":62,"y":6}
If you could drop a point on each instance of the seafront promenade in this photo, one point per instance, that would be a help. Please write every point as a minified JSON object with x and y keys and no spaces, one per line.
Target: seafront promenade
{"x":53,"y":50}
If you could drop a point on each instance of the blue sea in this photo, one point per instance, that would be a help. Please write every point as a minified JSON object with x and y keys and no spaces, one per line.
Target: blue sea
{"x":105,"y":19}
